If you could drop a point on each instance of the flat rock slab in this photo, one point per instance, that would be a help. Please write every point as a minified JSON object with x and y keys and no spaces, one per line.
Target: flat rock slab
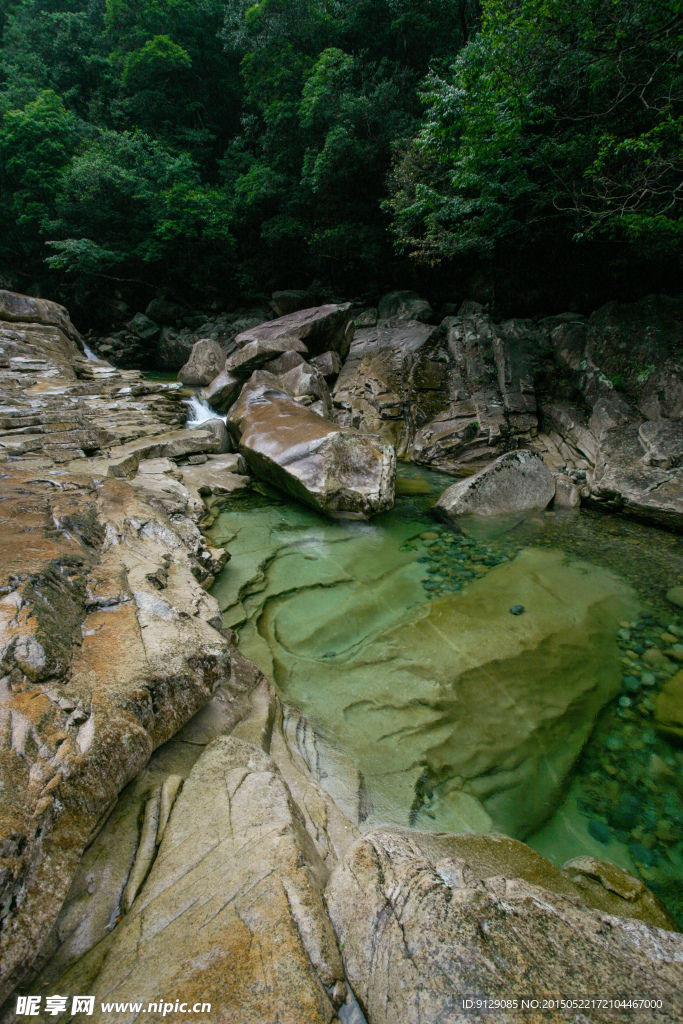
{"x":322,"y":328}
{"x":427,"y":921}
{"x":516,"y":482}
{"x":335,"y":469}
{"x":232,"y":911}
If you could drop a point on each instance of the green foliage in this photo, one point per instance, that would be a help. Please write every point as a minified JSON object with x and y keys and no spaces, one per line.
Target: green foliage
{"x":560,"y":120}
{"x":127,"y":202}
{"x":36,"y":147}
{"x":157,"y":63}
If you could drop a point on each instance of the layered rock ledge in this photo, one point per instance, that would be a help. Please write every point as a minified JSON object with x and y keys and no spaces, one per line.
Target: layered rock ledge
{"x":162,"y":822}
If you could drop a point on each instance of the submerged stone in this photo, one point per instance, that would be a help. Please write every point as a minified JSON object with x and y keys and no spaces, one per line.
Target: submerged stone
{"x":455,"y":684}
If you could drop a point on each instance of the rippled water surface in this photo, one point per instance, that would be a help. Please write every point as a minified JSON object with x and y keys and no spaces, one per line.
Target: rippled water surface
{"x":396,"y":640}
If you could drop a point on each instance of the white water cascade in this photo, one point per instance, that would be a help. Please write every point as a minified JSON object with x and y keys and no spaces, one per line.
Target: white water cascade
{"x":199,"y":412}
{"x":89,"y":352}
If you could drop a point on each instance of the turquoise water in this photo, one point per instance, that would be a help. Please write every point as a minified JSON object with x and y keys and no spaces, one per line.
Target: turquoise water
{"x":395,"y":638}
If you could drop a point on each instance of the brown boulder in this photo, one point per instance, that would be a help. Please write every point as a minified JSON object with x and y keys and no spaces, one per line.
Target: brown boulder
{"x":336,"y":470}
{"x":254,"y":354}
{"x":321,"y":328}
{"x":222,"y":391}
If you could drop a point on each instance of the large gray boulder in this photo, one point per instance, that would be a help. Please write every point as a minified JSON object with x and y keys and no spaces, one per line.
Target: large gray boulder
{"x":320,"y":327}
{"x":206,"y":361}
{"x":404,"y":305}
{"x":260,"y":351}
{"x":427,"y":921}
{"x":335,"y":469}
{"x":516,"y":482}
{"x":222,"y":391}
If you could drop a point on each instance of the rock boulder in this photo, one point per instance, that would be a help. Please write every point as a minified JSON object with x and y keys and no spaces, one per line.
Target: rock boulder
{"x":237,"y":885}
{"x":426,"y":921}
{"x":336,"y":470}
{"x":25,"y":309}
{"x":516,"y":482}
{"x":321,"y":328}
{"x":206,"y":362}
{"x":222,"y":391}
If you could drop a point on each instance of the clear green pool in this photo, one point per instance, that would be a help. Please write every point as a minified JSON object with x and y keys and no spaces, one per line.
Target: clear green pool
{"x":395,"y":639}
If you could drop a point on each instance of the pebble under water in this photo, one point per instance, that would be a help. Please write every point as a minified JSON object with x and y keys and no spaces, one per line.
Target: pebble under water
{"x":436,"y":661}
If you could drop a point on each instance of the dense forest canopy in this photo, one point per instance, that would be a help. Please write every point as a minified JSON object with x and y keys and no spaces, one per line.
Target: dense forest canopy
{"x":215,"y":150}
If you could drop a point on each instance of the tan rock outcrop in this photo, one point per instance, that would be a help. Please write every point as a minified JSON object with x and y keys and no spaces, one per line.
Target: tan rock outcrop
{"x":427,"y":921}
{"x":109,"y":642}
{"x":239,"y":878}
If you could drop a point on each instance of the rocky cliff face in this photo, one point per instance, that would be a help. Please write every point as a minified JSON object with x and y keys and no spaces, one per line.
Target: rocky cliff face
{"x":224,"y":871}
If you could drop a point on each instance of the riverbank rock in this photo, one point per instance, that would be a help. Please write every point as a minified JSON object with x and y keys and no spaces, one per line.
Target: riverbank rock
{"x":109,"y":638}
{"x":628,"y":479}
{"x":516,"y":482}
{"x":452,"y":397}
{"x":222,"y":391}
{"x":370,"y":391}
{"x":321,"y":328}
{"x":238,"y":878}
{"x":639,"y":346}
{"x":206,"y":361}
{"x":627,"y":363}
{"x":25,"y":309}
{"x":336,"y":470}
{"x":426,"y":921}
{"x":272,"y":785}
{"x":474,"y":393}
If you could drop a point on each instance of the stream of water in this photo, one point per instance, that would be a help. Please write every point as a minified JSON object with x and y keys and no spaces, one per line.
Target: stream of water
{"x":498,"y":679}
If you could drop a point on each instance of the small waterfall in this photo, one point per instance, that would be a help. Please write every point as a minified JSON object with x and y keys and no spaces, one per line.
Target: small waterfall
{"x":89,"y":352}
{"x":199,"y":412}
